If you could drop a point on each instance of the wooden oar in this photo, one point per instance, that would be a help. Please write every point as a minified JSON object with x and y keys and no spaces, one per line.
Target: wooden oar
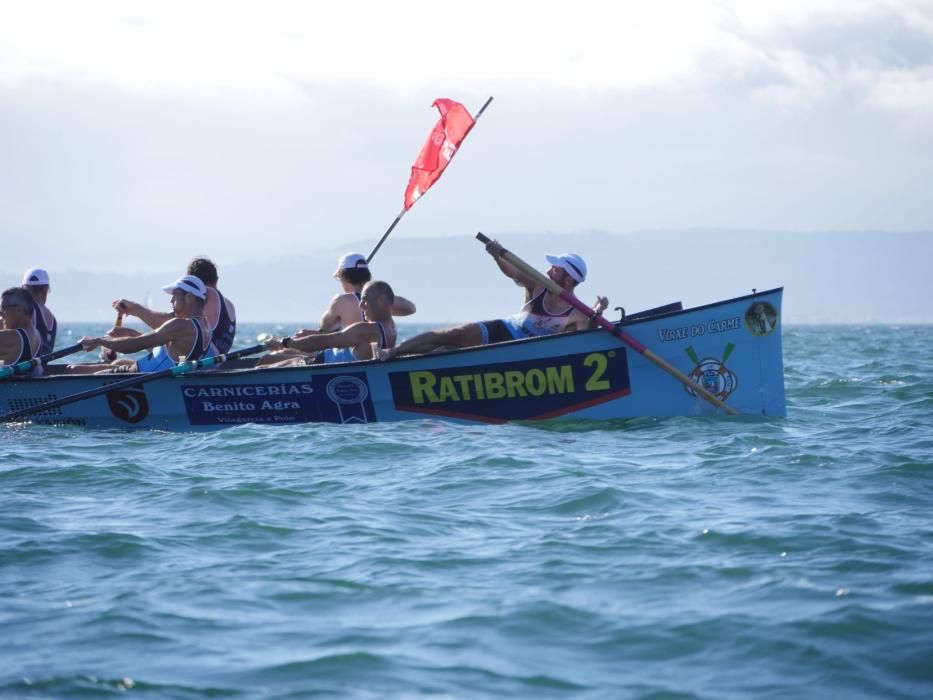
{"x":106,"y":354}
{"x":29,"y":365}
{"x":183,"y":368}
{"x":637,"y":346}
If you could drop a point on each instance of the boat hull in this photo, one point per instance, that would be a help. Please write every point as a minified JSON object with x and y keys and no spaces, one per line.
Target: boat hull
{"x":732,"y":347}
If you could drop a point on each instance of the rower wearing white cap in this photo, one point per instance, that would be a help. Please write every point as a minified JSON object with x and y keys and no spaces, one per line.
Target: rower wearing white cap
{"x":184,"y":337}
{"x":344,"y":310}
{"x":353,"y":272}
{"x":218,"y":309}
{"x":543,"y":313}
{"x":375,"y":332}
{"x":36,"y":282}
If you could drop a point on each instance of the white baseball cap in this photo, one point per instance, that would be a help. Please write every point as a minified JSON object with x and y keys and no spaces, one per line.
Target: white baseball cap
{"x":351,"y":261}
{"x":572,"y":263}
{"x":190,"y":284}
{"x":35,"y":277}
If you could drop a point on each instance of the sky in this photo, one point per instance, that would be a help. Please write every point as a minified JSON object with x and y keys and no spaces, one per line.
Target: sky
{"x":135,"y":135}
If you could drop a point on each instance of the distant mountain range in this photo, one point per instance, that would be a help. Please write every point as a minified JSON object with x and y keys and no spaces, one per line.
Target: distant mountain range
{"x":834,"y":277}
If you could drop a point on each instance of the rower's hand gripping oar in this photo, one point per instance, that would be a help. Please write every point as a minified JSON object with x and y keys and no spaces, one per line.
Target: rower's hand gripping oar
{"x":27,"y":366}
{"x":637,"y":346}
{"x":180,"y":369}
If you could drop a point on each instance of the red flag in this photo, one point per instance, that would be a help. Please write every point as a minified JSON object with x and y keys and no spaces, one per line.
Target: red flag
{"x":455,"y":123}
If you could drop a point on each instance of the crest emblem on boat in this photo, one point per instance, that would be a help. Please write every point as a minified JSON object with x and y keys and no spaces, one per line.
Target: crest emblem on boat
{"x":712,"y":374}
{"x":129,"y":405}
{"x":761,"y":318}
{"x":349,"y":394}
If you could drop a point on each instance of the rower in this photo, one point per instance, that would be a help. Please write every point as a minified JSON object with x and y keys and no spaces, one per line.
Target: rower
{"x":543,"y":313}
{"x":375,"y":332}
{"x":219,"y":311}
{"x":352,"y":273}
{"x":36,"y":282}
{"x":19,"y":339}
{"x":184,"y":337}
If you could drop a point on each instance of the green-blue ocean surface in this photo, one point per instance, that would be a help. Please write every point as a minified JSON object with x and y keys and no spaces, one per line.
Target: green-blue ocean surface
{"x":674,"y":558}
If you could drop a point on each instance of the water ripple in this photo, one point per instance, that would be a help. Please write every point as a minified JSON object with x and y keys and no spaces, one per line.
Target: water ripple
{"x":656,"y":558}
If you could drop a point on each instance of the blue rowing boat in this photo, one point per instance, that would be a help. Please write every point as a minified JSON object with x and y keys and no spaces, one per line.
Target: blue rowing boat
{"x":731,"y":348}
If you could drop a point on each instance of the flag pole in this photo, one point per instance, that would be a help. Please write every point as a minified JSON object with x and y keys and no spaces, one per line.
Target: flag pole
{"x":386,"y":235}
{"x":405,"y":209}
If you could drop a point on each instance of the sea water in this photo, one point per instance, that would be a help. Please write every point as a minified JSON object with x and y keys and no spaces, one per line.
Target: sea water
{"x":656,"y":558}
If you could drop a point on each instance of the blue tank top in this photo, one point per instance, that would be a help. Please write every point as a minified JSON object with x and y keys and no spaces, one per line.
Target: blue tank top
{"x":25,"y":352}
{"x":46,"y":334}
{"x":225,"y":330}
{"x":383,"y":339}
{"x":534,"y":319}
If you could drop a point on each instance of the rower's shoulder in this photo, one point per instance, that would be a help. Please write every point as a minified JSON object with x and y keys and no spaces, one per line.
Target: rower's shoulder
{"x":228,"y":302}
{"x":45,"y":311}
{"x":177,"y":324}
{"x":344,"y":303}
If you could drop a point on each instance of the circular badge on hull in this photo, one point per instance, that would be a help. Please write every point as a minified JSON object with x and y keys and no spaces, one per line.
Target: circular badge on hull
{"x":715,"y":377}
{"x":761,"y":318}
{"x":347,"y":390}
{"x":129,"y":405}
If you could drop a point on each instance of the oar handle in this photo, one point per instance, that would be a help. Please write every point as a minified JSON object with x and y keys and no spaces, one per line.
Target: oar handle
{"x":29,"y":365}
{"x":633,"y":343}
{"x":180,"y":369}
{"x":70,"y":350}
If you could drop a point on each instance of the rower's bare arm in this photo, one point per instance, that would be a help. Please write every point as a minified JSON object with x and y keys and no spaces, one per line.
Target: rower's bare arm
{"x":310,"y":342}
{"x":358,"y":333}
{"x":494,"y":248}
{"x":347,"y":338}
{"x":167,"y":332}
{"x":153,"y":319}
{"x":351,"y":336}
{"x":402,"y":307}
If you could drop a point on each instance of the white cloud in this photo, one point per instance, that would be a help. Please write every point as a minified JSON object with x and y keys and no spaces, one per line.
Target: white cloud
{"x":791,"y":53}
{"x":909,"y":94}
{"x":264,"y":48}
{"x":216,"y":125}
